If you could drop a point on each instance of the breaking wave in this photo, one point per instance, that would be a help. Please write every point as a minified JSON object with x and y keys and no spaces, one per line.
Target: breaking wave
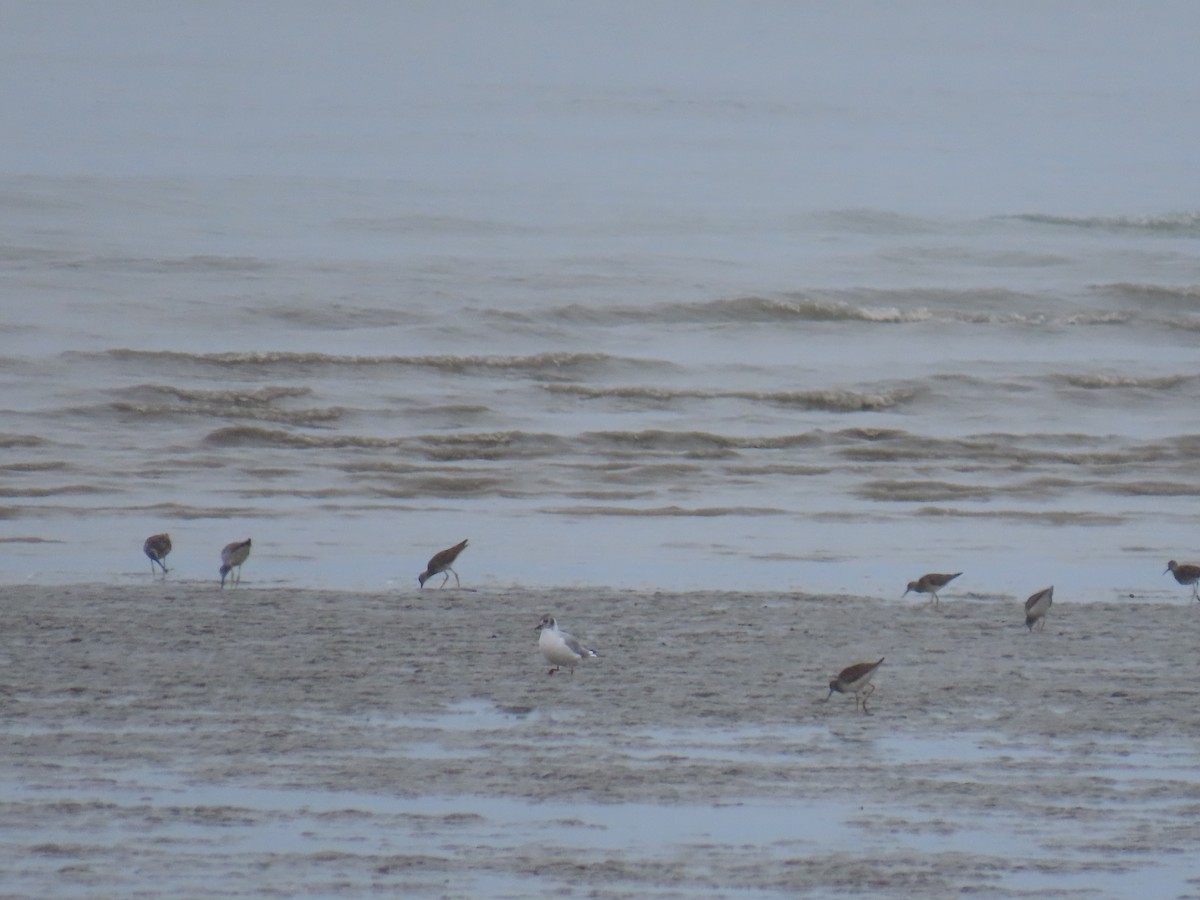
{"x":1103,"y":381}
{"x":747,"y":310}
{"x":542,"y":365}
{"x":1182,"y":223}
{"x":831,"y":400}
{"x":658,"y":511}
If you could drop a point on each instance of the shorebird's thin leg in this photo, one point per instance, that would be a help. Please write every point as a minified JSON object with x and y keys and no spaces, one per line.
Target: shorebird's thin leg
{"x":867,"y":692}
{"x":457,"y":583}
{"x":444,"y":580}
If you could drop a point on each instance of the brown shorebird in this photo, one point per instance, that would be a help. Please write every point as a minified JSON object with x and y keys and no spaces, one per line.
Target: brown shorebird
{"x":232,"y":557}
{"x":1185,"y":573}
{"x":1036,"y":608}
{"x":856,"y":680}
{"x":559,"y":647}
{"x":157,"y":547}
{"x":442,"y":562}
{"x":931,"y":584}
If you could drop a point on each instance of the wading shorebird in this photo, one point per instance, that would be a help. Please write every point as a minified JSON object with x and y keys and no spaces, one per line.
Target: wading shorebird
{"x":856,"y":680}
{"x":1185,"y":574}
{"x":930,"y":584}
{"x":1036,"y":608}
{"x":442,"y":562}
{"x":559,"y":647}
{"x":157,"y":547}
{"x":232,"y":557}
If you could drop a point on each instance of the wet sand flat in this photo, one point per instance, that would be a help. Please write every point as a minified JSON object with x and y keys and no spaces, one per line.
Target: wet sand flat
{"x":174,"y":739}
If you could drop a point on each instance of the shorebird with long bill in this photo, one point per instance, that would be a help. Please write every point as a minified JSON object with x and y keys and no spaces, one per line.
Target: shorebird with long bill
{"x":442,"y":562}
{"x":1185,"y":574}
{"x":930,"y":584}
{"x":856,"y":680}
{"x":1036,"y":608}
{"x":157,"y":547}
{"x":232,"y":557}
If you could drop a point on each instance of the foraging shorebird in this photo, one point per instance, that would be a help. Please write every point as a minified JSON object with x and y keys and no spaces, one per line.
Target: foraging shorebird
{"x":1036,"y":608}
{"x":441,"y":562}
{"x":930,"y":584}
{"x":856,"y":680}
{"x":232,"y":557}
{"x":1185,"y":573}
{"x":157,"y":547}
{"x":559,"y":647}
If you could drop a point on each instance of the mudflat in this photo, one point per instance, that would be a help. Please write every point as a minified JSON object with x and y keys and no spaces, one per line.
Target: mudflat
{"x":175,"y":739}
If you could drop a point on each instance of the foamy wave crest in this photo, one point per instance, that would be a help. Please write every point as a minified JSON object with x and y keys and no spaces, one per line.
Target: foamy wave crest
{"x":909,"y":491}
{"x":197,"y":264}
{"x":704,"y":511}
{"x":61,"y":490}
{"x":338,"y":316}
{"x":486,"y":445}
{"x":692,"y":442}
{"x":1170,"y":295}
{"x":542,"y":365}
{"x":830,"y":400}
{"x":312,"y":418}
{"x":240,"y":397}
{"x":1150,"y":488}
{"x":257,"y":436}
{"x":492,"y":445}
{"x":1171,"y":223}
{"x":748,"y":310}
{"x":1104,"y":381}
{"x":185,"y":511}
{"x":152,"y":401}
{"x":11,"y":441}
{"x":1060,"y":517}
{"x":431,"y":485}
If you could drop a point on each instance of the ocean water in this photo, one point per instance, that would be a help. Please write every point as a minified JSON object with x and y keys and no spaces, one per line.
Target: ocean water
{"x":789,"y":296}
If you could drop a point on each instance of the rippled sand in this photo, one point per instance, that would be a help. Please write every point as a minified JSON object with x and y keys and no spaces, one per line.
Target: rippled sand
{"x":173,"y":739}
